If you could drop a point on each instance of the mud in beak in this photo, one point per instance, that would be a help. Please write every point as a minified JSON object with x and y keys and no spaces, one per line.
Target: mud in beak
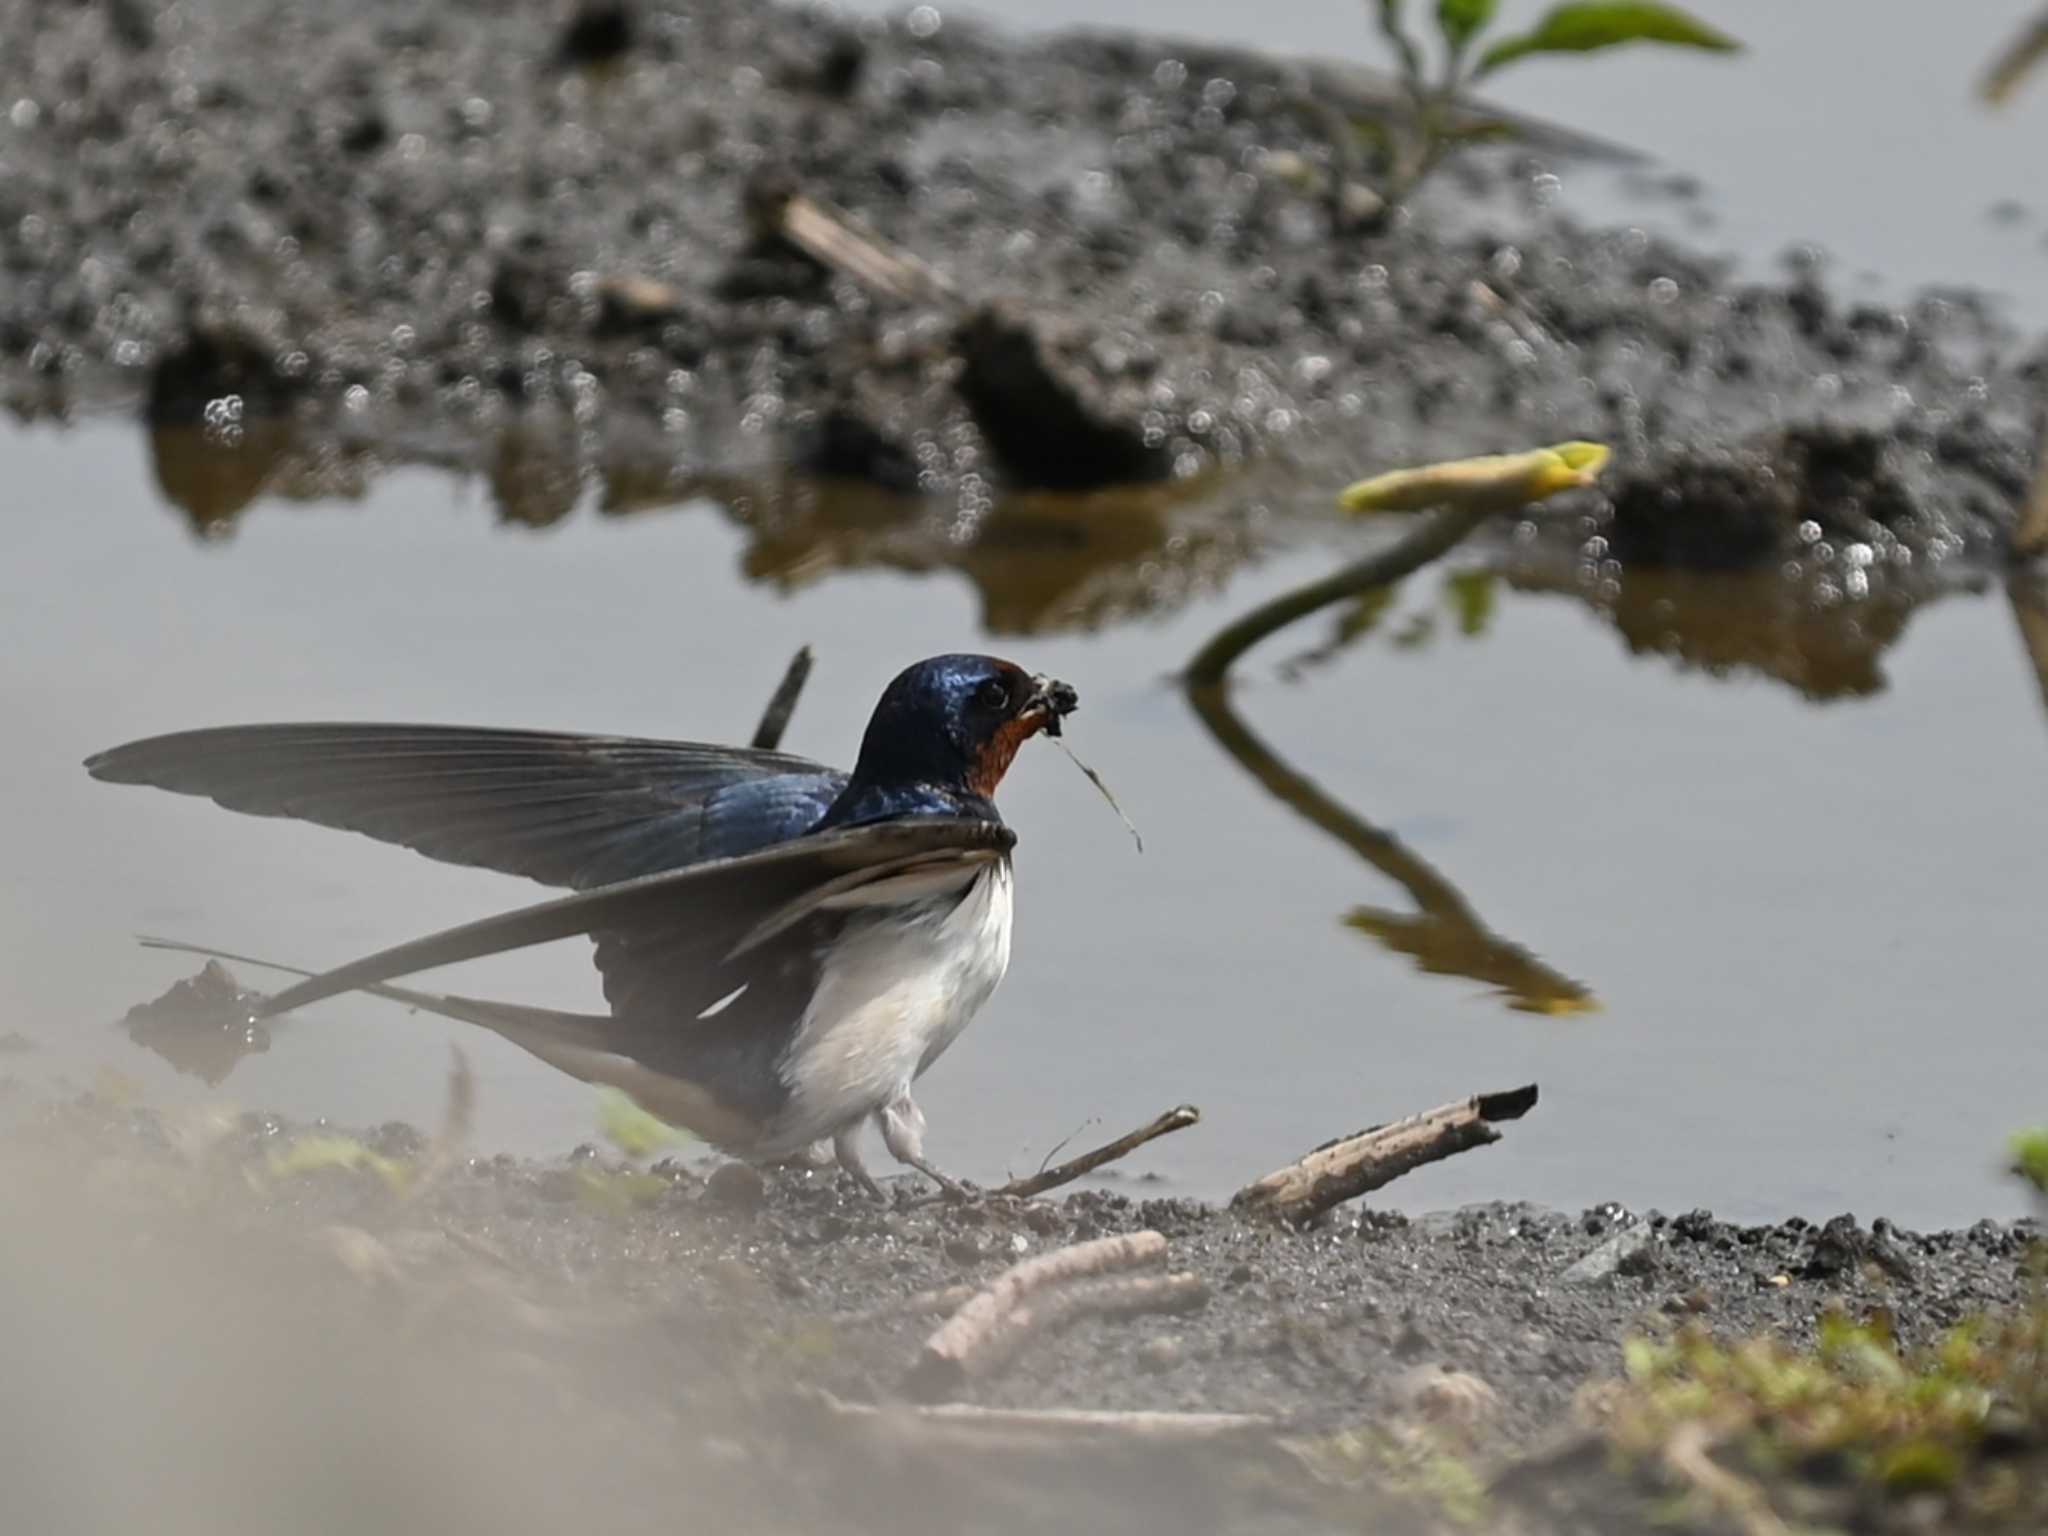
{"x":1050,"y":702}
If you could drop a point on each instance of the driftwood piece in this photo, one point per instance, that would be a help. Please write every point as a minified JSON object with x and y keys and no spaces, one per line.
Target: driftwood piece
{"x":777,"y":209}
{"x":1176,"y":1119}
{"x":1355,"y":1165}
{"x":782,"y":703}
{"x":982,"y":1332}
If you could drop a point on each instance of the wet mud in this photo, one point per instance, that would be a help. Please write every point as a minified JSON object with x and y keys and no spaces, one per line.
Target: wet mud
{"x":471,"y":233}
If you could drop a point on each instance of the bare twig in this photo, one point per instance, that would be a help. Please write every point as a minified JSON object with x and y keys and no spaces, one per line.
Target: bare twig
{"x":1049,"y":1311}
{"x":2015,"y":61}
{"x":1355,"y":1165}
{"x":782,"y":703}
{"x":956,"y":1348}
{"x":946,"y":1428}
{"x":831,"y":237}
{"x":446,"y":1148}
{"x":1178,"y":1119}
{"x":1515,"y":315}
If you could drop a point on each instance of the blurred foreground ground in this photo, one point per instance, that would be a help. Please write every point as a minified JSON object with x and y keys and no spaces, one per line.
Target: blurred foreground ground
{"x":196,"y":1339}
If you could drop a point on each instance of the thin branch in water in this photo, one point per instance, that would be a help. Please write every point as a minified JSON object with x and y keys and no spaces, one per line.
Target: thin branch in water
{"x":1176,"y":1119}
{"x":782,"y":703}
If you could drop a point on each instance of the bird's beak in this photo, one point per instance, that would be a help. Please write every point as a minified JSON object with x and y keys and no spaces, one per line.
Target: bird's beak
{"x":1050,"y":702}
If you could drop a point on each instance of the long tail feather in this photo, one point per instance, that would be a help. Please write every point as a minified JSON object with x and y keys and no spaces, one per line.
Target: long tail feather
{"x":516,"y":1021}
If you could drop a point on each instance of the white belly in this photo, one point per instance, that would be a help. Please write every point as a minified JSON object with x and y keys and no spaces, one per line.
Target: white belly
{"x":896,"y":992}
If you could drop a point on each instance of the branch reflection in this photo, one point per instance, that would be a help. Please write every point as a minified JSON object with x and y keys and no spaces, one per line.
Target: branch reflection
{"x":1444,"y":936}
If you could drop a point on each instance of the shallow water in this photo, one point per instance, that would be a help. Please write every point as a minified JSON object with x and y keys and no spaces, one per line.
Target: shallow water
{"x":1807,"y":927}
{"x":1849,"y":126}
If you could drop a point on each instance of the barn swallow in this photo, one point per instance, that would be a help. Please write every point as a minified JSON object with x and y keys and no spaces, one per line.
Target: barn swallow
{"x":785,"y":948}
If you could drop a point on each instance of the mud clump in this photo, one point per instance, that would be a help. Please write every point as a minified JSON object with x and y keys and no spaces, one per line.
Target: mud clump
{"x":1045,"y":410}
{"x":221,"y":372}
{"x":1748,"y":506}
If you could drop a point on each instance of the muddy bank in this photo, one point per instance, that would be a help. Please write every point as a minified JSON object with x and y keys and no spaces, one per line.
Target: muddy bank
{"x":665,"y":1336}
{"x":445,"y":236}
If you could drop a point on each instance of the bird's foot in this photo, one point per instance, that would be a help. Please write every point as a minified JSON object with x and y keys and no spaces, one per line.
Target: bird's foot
{"x":846,"y":1147}
{"x":949,"y":1188}
{"x":902,"y":1126}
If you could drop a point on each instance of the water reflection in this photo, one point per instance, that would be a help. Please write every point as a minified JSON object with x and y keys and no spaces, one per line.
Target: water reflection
{"x":214,"y":474}
{"x":1443,"y":936}
{"x":1041,"y":562}
{"x":2028,"y":592}
{"x":1754,"y":622}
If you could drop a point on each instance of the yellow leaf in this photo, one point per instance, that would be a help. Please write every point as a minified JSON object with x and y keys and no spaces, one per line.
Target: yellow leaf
{"x":1504,"y":480}
{"x":631,"y":1129}
{"x":310,"y":1154}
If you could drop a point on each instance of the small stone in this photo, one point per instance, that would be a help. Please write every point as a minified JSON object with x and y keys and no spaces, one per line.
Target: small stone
{"x":1454,"y":1397}
{"x":1626,"y":1247}
{"x":963,"y":1251}
{"x":737,"y":1187}
{"x":1158,"y":1356}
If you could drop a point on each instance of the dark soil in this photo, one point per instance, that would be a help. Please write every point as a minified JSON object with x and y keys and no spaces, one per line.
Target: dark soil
{"x":661,"y":1331}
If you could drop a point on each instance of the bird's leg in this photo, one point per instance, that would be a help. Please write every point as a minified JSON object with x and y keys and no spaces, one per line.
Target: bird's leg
{"x":846,"y":1147}
{"x":902,"y":1124}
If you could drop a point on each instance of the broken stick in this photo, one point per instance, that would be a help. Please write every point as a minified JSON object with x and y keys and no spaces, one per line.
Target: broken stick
{"x":776,"y":208}
{"x":782,"y":703}
{"x":989,"y":1351}
{"x":953,"y":1428}
{"x":1355,"y":1165}
{"x":1176,"y":1119}
{"x":982,"y":1333}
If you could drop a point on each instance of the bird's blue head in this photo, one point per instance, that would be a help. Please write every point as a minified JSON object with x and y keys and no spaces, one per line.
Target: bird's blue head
{"x":952,"y":724}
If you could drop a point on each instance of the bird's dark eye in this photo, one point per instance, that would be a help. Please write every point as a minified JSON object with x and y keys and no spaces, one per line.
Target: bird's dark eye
{"x":993,"y":694}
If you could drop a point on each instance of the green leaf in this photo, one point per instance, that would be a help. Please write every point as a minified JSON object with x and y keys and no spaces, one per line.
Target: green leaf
{"x":2030,"y":1158}
{"x":1585,"y":28}
{"x":1462,"y":20}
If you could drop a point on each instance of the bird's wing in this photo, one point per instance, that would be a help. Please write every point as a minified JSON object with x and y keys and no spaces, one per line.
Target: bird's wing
{"x":667,"y":942}
{"x":563,"y":809}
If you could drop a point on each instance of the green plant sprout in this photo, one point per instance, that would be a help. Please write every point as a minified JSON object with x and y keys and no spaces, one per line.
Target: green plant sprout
{"x":1433,"y":125}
